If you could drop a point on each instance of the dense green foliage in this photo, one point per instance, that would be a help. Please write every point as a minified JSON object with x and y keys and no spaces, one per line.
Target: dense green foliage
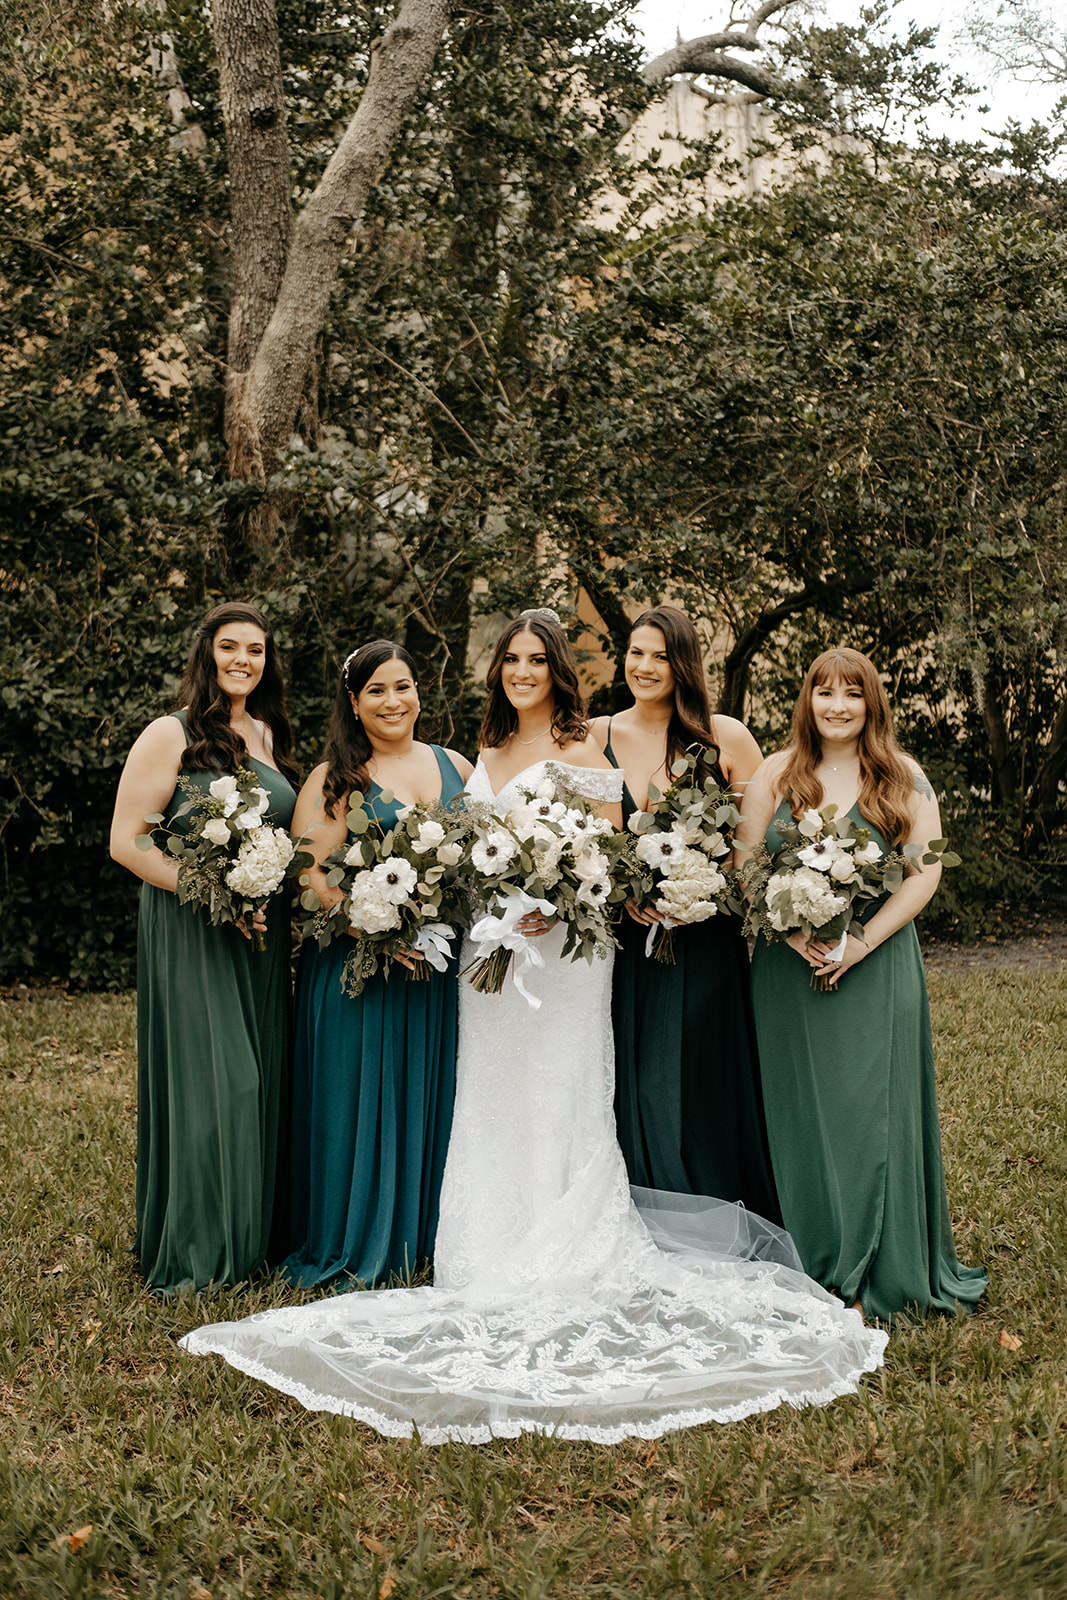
{"x":832,"y":412}
{"x":945,"y":1478}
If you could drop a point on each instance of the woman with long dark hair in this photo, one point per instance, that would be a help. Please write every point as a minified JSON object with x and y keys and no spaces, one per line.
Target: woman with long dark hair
{"x":848,"y":1076}
{"x":558,"y":1304}
{"x":687,"y":1099}
{"x":373,"y":1076}
{"x":212,"y":1011}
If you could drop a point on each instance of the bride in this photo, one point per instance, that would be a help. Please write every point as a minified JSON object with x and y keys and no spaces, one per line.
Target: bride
{"x":561,"y":1303}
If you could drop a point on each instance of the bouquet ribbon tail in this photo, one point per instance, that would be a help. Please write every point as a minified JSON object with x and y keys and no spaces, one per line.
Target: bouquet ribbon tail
{"x":656,"y":928}
{"x":435,"y":944}
{"x":838,"y":951}
{"x":501,"y":932}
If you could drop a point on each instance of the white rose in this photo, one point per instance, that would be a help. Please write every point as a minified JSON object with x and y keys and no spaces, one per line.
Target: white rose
{"x":354,"y":855}
{"x":429,"y":836}
{"x":248,"y":818}
{"x":810,"y":825}
{"x":225,"y":789}
{"x":844,"y":870}
{"x":869,"y":854}
{"x":217,"y":830}
{"x":449,"y":855}
{"x":591,"y":864}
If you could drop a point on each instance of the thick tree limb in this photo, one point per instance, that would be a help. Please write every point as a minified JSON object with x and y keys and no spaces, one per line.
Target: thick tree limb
{"x":270,"y":393}
{"x":704,"y":56}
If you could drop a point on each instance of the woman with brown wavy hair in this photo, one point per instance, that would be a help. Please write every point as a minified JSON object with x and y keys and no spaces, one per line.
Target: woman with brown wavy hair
{"x":212,"y":1012}
{"x":373,"y":1075}
{"x":848,"y":1075}
{"x":688,"y":1104}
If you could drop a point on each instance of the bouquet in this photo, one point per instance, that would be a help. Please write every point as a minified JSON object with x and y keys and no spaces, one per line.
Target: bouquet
{"x":672,"y":862}
{"x":547,"y":853}
{"x":400,"y":887}
{"x":828,"y":869}
{"x":230,"y":861}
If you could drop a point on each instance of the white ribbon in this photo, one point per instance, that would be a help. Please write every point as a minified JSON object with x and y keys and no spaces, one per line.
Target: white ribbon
{"x":838,"y":951}
{"x":435,"y":943}
{"x":656,"y":927}
{"x":501,"y":932}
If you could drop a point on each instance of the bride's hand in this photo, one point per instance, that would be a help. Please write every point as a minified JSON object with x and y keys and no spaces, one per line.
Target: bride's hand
{"x":534,"y":924}
{"x":813,"y":952}
{"x":409,"y":958}
{"x":644,"y":917}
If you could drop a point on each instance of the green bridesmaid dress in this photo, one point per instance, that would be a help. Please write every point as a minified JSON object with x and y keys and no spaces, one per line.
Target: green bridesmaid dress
{"x":848,"y":1083}
{"x":688,"y":1106}
{"x":374,"y":1081}
{"x":212,"y":1026}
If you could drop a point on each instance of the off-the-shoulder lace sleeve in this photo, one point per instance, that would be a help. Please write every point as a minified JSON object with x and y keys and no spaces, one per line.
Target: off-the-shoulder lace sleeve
{"x":593,"y":783}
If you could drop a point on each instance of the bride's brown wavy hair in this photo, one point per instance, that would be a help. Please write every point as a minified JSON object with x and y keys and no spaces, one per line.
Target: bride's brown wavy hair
{"x":886,"y":782}
{"x":500,"y":718}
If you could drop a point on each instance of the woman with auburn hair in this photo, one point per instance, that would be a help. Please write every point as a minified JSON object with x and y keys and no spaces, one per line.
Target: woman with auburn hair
{"x":558,"y":1304}
{"x":848,"y":1075}
{"x":688,"y":1104}
{"x":373,"y":1075}
{"x":212,"y":1012}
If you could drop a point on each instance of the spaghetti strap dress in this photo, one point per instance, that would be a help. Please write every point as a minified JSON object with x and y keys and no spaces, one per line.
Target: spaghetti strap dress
{"x":212,"y":1038}
{"x":373,"y":1087}
{"x":688,"y":1102}
{"x":848,"y":1080}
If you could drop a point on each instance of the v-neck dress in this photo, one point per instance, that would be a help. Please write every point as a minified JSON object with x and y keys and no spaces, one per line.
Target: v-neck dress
{"x":212,"y":1041}
{"x":688,"y":1102}
{"x":848,"y":1082}
{"x":374,"y":1080}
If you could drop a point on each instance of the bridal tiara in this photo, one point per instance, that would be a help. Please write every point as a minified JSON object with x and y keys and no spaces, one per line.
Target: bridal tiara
{"x":542,"y":613}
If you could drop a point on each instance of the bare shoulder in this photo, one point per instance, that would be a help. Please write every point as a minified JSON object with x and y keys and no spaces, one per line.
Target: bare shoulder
{"x":919,"y":781}
{"x":461,"y":764}
{"x":598,"y":730}
{"x":164,"y":738}
{"x":315,"y":781}
{"x":768,"y":775}
{"x":584,"y":753}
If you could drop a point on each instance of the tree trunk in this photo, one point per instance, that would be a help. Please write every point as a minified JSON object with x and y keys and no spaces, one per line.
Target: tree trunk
{"x":269,"y":396}
{"x":253,"y":110}
{"x":1004,"y":784}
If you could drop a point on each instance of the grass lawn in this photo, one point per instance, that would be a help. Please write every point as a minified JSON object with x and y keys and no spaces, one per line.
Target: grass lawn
{"x":946,"y":1476}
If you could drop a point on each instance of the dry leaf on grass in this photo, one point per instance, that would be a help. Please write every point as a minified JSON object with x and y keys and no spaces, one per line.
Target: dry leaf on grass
{"x":75,"y":1540}
{"x":388,"y":1584}
{"x":375,"y":1546}
{"x":1010,"y":1341}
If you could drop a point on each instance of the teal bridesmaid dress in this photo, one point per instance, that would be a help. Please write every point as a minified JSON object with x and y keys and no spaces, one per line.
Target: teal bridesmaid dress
{"x":212,"y":1039}
{"x":848,"y":1081}
{"x":373,"y":1087}
{"x":688,"y":1106}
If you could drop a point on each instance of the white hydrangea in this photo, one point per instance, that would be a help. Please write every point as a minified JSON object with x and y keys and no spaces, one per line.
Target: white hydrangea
{"x":429,"y":836}
{"x":369,"y":910}
{"x":802,"y":895}
{"x":261,"y":863}
{"x":494,"y":852}
{"x":395,"y":878}
{"x":688,"y":893}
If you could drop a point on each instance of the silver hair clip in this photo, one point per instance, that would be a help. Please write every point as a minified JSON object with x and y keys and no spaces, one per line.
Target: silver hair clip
{"x":349,"y":660}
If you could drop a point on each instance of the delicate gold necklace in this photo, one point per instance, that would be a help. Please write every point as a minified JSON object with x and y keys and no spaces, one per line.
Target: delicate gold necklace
{"x":535,"y":737}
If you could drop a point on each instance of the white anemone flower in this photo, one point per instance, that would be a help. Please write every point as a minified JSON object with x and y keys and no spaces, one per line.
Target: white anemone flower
{"x":395,"y":878}
{"x":493,"y":853}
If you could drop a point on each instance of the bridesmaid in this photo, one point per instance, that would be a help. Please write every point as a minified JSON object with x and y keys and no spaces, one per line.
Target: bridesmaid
{"x":373,"y":1077}
{"x":849,"y":1075}
{"x":687,"y":1097}
{"x":212,"y":1011}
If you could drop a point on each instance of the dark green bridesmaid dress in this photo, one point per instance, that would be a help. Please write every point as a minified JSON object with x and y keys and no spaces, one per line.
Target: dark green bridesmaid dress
{"x":374,"y":1082}
{"x":212,"y":1041}
{"x":848,"y":1082}
{"x":688,"y":1106}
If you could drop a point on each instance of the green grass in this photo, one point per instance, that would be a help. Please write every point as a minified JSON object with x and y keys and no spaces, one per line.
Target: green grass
{"x":946,"y":1476}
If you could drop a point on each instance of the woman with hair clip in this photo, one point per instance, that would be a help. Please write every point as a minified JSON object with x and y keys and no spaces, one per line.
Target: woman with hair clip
{"x":373,"y":1076}
{"x":848,"y":1075}
{"x":688,"y":1105}
{"x":556,"y":1305}
{"x":212,"y":1012}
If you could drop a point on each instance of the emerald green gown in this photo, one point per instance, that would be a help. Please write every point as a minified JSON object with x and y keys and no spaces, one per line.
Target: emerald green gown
{"x":848,"y":1083}
{"x":374,"y":1080}
{"x":688,"y":1104}
{"x":212,"y":1025}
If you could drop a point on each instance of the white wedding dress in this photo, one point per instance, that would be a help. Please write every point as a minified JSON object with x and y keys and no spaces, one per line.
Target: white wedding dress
{"x":558,"y":1306}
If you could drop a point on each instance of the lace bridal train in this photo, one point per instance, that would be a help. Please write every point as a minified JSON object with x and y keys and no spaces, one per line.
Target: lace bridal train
{"x":559,"y":1304}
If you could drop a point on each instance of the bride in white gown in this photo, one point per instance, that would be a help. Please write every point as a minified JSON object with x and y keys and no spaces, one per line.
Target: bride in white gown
{"x":558,"y":1305}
